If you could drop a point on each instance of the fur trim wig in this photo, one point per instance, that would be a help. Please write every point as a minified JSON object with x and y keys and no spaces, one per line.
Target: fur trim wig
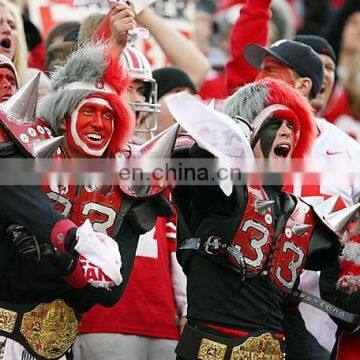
{"x":95,"y":65}
{"x":250,"y":100}
{"x":349,"y":276}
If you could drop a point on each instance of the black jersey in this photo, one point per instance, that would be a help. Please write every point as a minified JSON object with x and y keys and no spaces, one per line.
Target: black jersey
{"x":216,"y":293}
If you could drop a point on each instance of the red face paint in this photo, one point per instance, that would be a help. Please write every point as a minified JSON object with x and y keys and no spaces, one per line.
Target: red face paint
{"x":90,"y":128}
{"x":7,"y":84}
{"x":274,"y":69}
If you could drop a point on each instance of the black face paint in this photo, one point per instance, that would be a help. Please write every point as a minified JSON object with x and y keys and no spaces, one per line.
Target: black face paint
{"x":267,"y":136}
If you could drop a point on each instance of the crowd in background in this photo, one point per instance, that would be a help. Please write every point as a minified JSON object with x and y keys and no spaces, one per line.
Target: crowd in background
{"x":200,"y":67}
{"x":210,"y":27}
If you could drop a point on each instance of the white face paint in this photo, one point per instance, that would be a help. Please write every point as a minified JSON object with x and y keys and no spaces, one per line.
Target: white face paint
{"x":83,"y":125}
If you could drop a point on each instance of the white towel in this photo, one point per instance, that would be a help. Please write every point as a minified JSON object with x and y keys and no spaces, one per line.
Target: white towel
{"x":100,"y":250}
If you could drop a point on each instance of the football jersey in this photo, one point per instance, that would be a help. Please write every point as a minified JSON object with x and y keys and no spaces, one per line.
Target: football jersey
{"x":147,"y":307}
{"x":332,"y":143}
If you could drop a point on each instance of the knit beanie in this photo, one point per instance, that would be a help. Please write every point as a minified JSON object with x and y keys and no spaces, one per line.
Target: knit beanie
{"x":168,"y":78}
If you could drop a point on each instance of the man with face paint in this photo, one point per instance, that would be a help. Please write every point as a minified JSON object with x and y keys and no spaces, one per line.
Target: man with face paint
{"x":44,"y":262}
{"x":88,"y":106}
{"x":235,"y":298}
{"x":90,"y":128}
{"x":9,"y":84}
{"x":132,"y":329}
{"x":252,"y":27}
{"x":295,"y":63}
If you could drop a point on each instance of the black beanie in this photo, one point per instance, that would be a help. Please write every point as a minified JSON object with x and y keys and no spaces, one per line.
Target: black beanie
{"x":168,"y":78}
{"x":318,"y":44}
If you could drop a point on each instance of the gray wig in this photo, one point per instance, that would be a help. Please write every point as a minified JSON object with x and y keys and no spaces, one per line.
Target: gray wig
{"x":247,"y":102}
{"x":86,"y":64}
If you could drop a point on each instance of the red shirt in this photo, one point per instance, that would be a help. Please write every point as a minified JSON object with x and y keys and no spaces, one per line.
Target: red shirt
{"x":214,"y":87}
{"x":252,"y":27}
{"x":338,"y":104}
{"x":147,"y":307}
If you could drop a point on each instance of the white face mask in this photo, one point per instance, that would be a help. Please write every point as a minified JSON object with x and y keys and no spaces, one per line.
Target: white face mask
{"x":74,"y":134}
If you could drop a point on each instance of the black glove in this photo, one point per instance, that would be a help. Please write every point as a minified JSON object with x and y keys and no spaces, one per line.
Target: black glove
{"x":27,"y":245}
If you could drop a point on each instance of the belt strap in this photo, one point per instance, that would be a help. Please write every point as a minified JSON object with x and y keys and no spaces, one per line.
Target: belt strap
{"x":214,"y":245}
{"x":190,"y":244}
{"x":326,"y":307}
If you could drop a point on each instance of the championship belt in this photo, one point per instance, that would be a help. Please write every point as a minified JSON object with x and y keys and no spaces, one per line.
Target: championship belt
{"x":47,"y":331}
{"x":196,"y":344}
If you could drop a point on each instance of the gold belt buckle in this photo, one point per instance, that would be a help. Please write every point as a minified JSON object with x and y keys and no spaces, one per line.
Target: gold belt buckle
{"x":50,"y":329}
{"x":7,"y":320}
{"x":211,"y":350}
{"x":263,"y":347}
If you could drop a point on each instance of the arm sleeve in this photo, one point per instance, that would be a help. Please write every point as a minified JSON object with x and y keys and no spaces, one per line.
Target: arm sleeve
{"x":210,"y":199}
{"x":324,"y":248}
{"x":30,"y":207}
{"x":89,"y":296}
{"x":251,"y":27}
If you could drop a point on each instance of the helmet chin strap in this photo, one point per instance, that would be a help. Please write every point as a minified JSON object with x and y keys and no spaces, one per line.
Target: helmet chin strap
{"x":74,"y":134}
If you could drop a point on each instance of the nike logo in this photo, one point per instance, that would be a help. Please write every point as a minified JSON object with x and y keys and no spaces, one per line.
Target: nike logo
{"x":328,"y":152}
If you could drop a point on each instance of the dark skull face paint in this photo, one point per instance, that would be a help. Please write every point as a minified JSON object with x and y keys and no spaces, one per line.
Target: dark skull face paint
{"x":275,"y":140}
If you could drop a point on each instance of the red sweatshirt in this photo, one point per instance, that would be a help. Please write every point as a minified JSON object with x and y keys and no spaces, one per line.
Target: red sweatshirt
{"x":251,"y":27}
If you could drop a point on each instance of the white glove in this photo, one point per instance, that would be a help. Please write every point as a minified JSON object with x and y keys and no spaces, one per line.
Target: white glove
{"x":99,"y":250}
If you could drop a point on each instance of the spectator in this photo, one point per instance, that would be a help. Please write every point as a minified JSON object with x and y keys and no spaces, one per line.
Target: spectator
{"x":205,"y":10}
{"x":344,"y":35}
{"x":35,"y":45}
{"x":170,"y":81}
{"x":254,"y":18}
{"x":12,"y":40}
{"x":9,"y":84}
{"x":88,"y":26}
{"x":58,"y":47}
{"x":181,"y":52}
{"x":349,"y":118}
{"x":282,"y":25}
{"x":143,"y":324}
{"x":328,"y":58}
{"x":214,"y":86}
{"x":339,"y":284}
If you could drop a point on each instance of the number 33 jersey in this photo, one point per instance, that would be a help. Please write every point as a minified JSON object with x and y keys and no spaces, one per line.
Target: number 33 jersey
{"x":278,"y":236}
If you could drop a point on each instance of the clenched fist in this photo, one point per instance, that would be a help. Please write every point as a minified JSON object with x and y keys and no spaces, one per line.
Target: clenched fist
{"x":122,"y":20}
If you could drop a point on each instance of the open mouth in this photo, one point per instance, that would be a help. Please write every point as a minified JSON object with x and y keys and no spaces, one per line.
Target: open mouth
{"x":5,"y":97}
{"x":140,"y":117}
{"x":322,"y":90}
{"x":95,"y":138}
{"x":137,"y":117}
{"x":6,"y":43}
{"x":282,"y":150}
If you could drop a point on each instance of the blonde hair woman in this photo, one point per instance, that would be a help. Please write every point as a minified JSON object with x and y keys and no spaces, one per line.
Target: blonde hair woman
{"x":12,"y":38}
